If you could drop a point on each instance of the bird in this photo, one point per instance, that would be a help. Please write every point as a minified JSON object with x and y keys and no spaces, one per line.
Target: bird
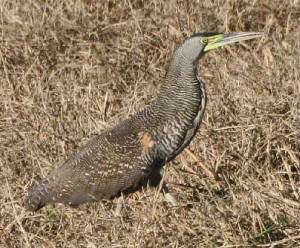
{"x":130,"y":155}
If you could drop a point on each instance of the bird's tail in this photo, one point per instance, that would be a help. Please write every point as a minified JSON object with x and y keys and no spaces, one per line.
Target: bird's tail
{"x":38,"y":195}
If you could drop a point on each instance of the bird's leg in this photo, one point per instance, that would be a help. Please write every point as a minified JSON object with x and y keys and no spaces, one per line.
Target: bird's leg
{"x":157,"y":179}
{"x":120,"y":204}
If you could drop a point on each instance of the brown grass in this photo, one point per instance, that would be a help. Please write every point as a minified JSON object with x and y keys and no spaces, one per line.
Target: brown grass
{"x":71,"y":68}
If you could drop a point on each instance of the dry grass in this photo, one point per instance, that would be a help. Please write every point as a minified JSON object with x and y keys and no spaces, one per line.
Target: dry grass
{"x":71,"y":68}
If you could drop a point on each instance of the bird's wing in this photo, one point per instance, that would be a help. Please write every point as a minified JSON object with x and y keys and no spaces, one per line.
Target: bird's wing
{"x":109,"y":163}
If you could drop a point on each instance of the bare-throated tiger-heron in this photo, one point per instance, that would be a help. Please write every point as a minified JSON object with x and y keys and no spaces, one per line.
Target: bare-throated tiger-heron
{"x":129,"y":155}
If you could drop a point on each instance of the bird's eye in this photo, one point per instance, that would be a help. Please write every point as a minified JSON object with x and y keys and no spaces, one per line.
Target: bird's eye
{"x":204,"y":41}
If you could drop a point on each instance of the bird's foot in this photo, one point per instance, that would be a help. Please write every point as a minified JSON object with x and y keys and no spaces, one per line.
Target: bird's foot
{"x":170,"y":199}
{"x":168,"y":196}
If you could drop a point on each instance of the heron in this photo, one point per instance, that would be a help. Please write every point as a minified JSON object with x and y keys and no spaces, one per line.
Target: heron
{"x":130,"y":155}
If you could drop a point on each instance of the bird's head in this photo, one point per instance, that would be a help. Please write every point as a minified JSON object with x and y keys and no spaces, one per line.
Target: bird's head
{"x":198,"y":44}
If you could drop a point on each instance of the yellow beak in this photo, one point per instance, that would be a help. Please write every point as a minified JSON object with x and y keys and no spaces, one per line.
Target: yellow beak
{"x":218,"y":40}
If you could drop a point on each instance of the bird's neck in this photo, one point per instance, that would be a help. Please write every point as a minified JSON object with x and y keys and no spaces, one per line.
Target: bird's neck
{"x":182,"y":91}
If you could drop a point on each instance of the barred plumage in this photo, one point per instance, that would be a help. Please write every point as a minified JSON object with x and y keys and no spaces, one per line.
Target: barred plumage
{"x":129,"y":155}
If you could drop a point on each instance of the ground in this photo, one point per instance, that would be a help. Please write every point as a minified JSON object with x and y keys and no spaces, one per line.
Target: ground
{"x":72,"y":68}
